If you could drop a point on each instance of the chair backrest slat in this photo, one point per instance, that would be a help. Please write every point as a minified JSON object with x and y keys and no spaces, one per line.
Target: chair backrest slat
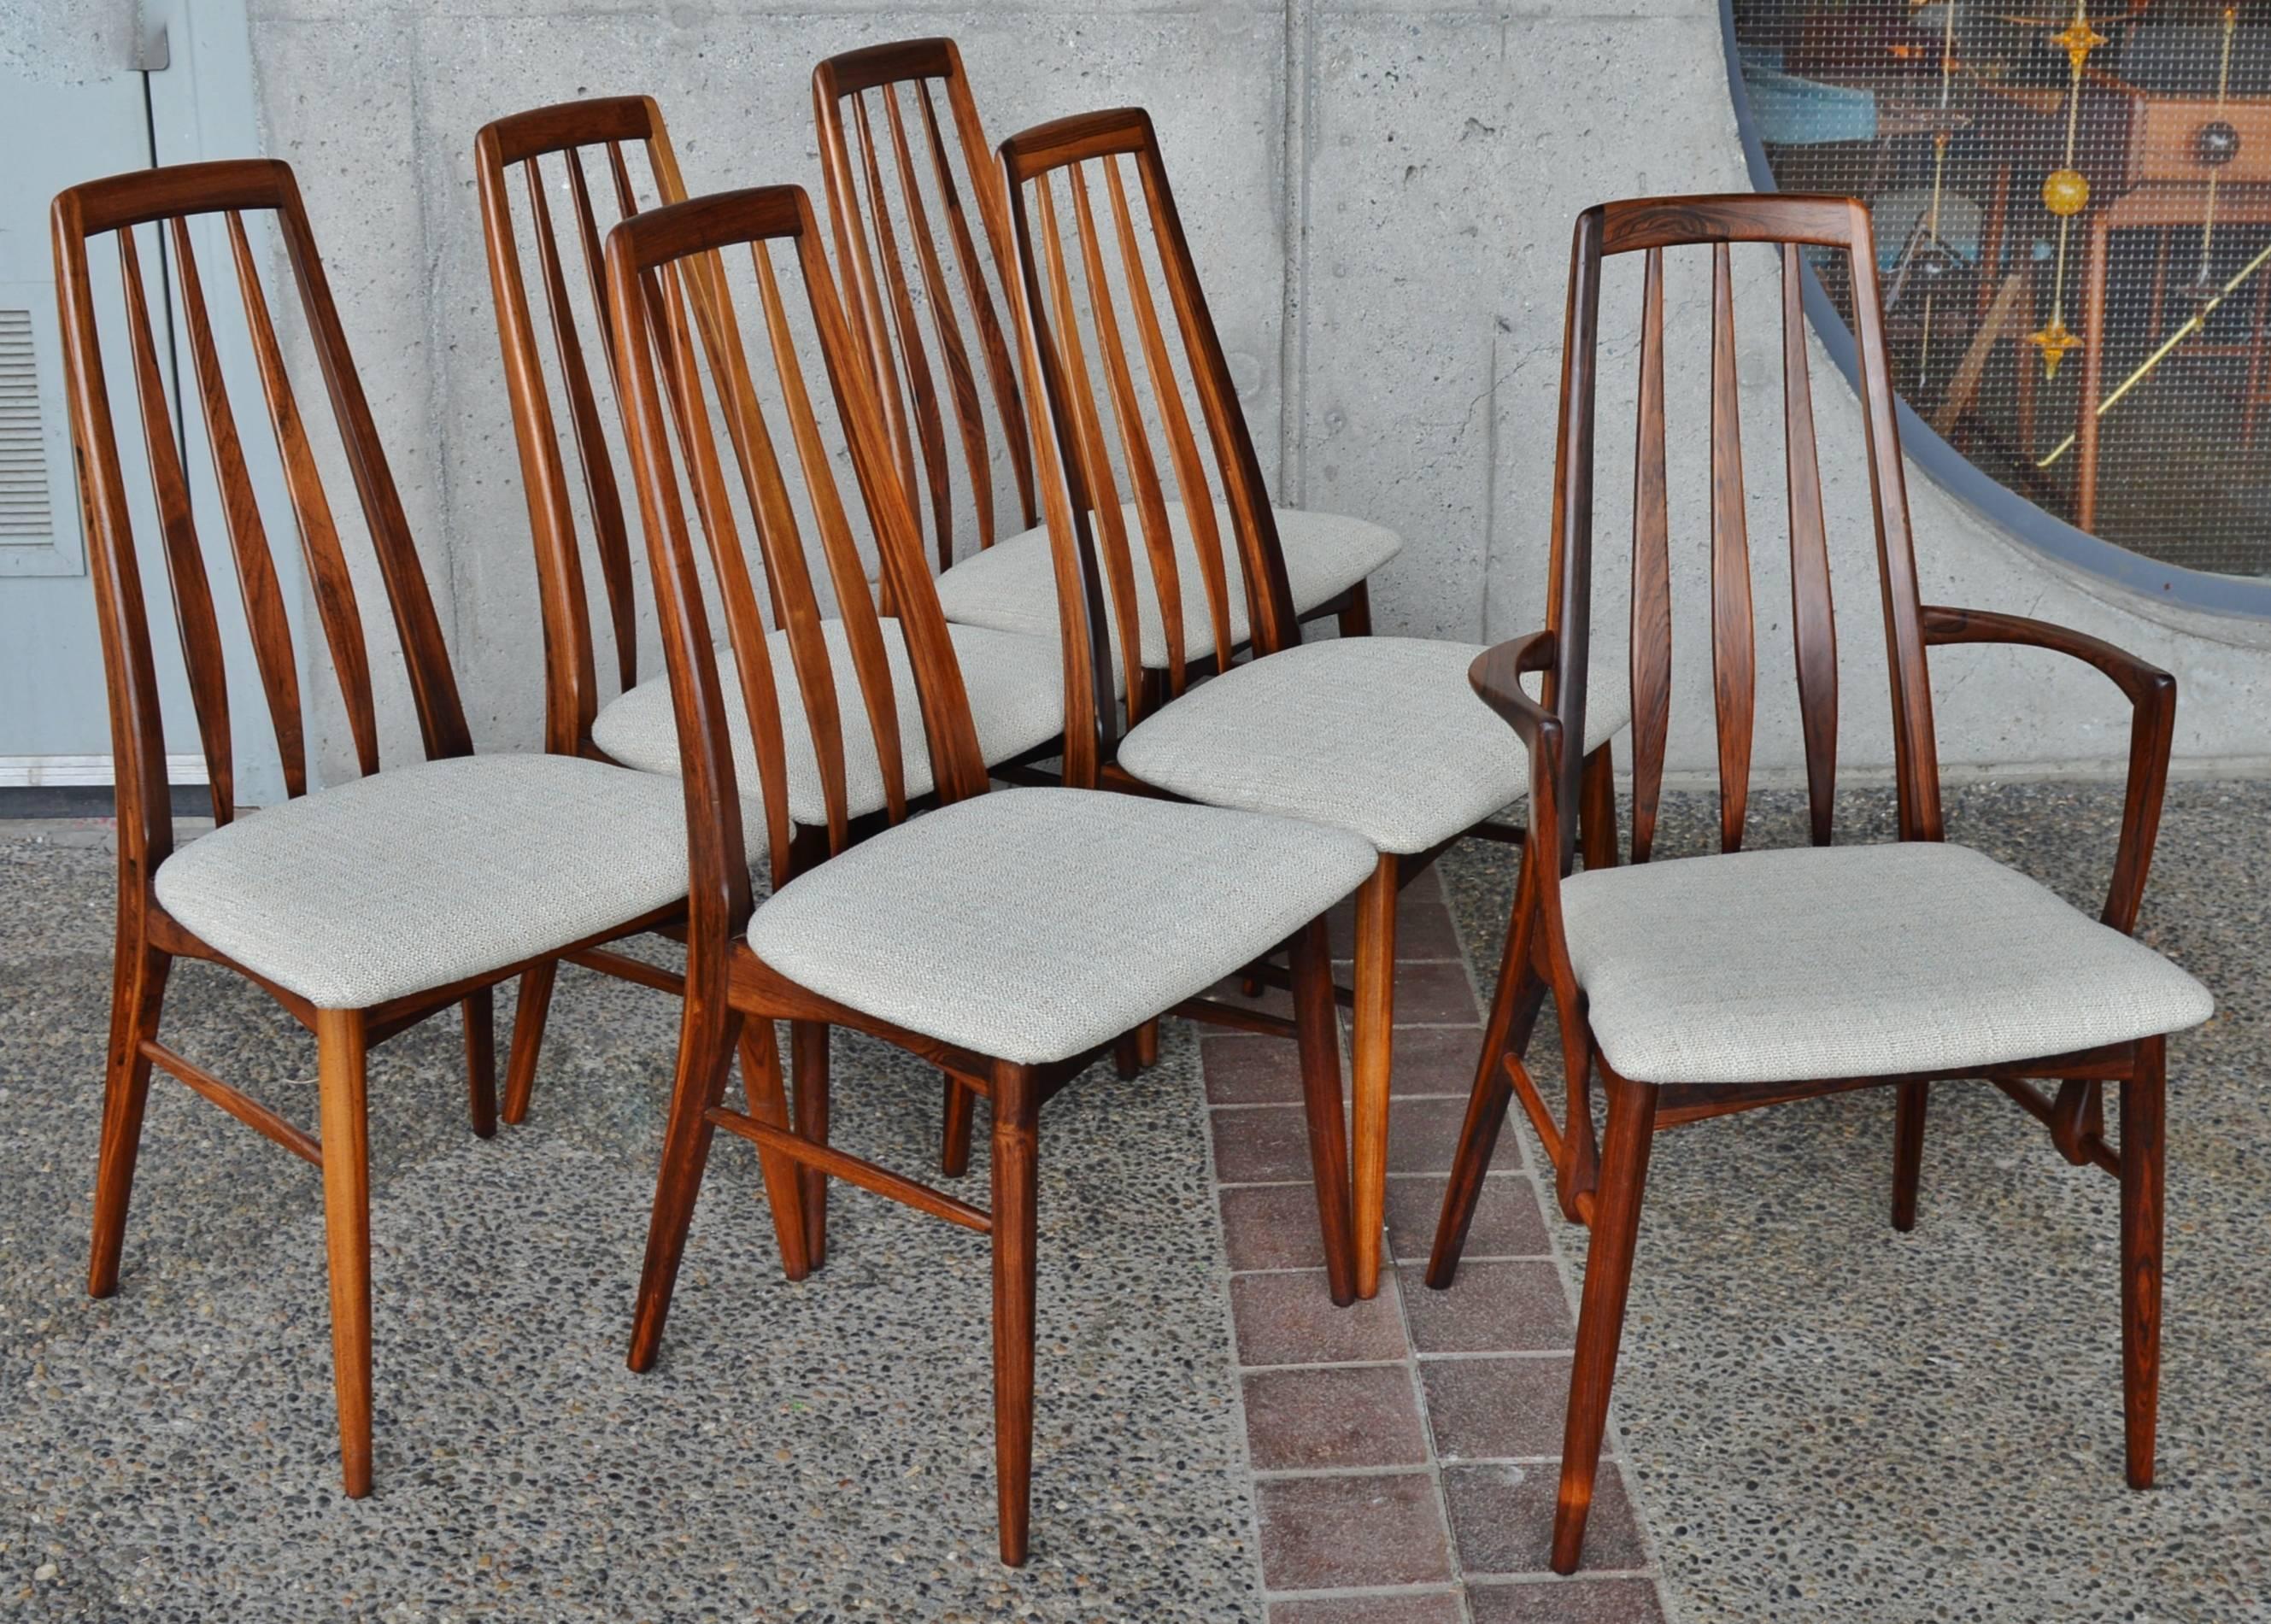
{"x":745,"y":626}
{"x":929,"y":434}
{"x":1128,"y":413}
{"x":1269,"y":599}
{"x":855,"y":608}
{"x":1095,"y":534}
{"x":885,"y":248}
{"x":185,"y":564}
{"x":319,"y":534}
{"x":680,"y":245}
{"x":1650,"y":651}
{"x":1790,"y":222}
{"x":1089,"y":450}
{"x":796,"y":609}
{"x":258,"y":586}
{"x":544,"y":142}
{"x":169,"y":198}
{"x":1734,"y":640}
{"x":1001,"y":373}
{"x":603,"y":499}
{"x":1915,"y":754}
{"x":961,"y":383}
{"x":1183,"y":451}
{"x":1814,"y":622}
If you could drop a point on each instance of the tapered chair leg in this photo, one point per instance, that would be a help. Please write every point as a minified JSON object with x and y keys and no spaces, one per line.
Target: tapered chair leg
{"x":480,"y":1061}
{"x":138,"y":994}
{"x":528,"y":1016}
{"x":1147,"y":1044}
{"x":807,"y":1046}
{"x":1913,"y":1101}
{"x":341,"y":1054}
{"x":1317,"y":1024}
{"x":1520,"y":994}
{"x":2143,"y":1097}
{"x":1016,"y":1113}
{"x":706,"y":1050}
{"x":1373,"y":1028}
{"x":761,"y":1081}
{"x":960,"y":1106}
{"x":1601,"y":1311}
{"x":1126,"y":1063}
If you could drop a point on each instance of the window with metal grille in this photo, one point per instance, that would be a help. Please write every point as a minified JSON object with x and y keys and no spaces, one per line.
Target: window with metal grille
{"x":2073,"y":207}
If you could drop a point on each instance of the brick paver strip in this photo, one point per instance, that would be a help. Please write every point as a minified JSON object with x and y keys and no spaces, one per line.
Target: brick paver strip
{"x":1405,"y":1450}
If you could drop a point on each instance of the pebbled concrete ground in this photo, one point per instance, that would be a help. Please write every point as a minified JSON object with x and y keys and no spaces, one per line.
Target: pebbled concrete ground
{"x":1822,"y":1420}
{"x":1826,"y":1421}
{"x":820,"y":1450}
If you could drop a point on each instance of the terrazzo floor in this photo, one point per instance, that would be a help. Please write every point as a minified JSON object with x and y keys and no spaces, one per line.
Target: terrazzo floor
{"x":1821,"y":1421}
{"x":1826,"y":1420}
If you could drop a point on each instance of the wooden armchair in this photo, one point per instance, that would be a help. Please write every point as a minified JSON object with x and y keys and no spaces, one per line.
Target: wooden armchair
{"x":1016,"y":692}
{"x":1377,"y":735}
{"x":1723,"y":983}
{"x":922,"y":282}
{"x":362,"y":908}
{"x":1007,"y":938}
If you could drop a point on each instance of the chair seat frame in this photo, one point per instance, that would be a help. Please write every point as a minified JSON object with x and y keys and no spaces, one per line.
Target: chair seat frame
{"x":733,"y":998}
{"x":1599,"y":1180}
{"x":149,"y":938}
{"x":1098,"y":561}
{"x":564,"y":133}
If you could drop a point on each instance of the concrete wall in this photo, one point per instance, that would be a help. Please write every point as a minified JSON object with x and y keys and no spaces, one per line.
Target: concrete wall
{"x":1380,"y":197}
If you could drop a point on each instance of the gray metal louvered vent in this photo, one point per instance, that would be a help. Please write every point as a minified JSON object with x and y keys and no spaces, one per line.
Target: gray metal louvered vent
{"x":26,"y":513}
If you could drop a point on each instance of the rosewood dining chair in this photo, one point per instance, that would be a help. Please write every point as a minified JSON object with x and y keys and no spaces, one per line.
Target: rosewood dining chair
{"x":1007,"y":938}
{"x":1718,"y":984}
{"x":362,"y":908}
{"x":1016,"y":690}
{"x":927,"y":287}
{"x":1378,"y":735}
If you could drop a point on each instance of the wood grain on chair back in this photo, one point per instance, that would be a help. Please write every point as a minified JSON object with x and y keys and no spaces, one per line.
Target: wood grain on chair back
{"x":166,"y":200}
{"x":1141,"y":419}
{"x":666,"y":273}
{"x":579,"y":330}
{"x":904,"y":237}
{"x":1649,"y":226}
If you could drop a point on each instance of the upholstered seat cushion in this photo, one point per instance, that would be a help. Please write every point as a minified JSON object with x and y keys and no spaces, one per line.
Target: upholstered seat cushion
{"x":1852,"y":961}
{"x":1034,"y":924}
{"x":424,"y":875}
{"x":1382,"y":736}
{"x":1016,"y":686}
{"x":1012,"y":585}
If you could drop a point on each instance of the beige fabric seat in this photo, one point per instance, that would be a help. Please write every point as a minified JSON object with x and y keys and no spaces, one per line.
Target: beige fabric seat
{"x":1017,"y":699}
{"x":427,"y":874}
{"x":1034,"y":924}
{"x":1823,"y":962}
{"x":1380,"y":735}
{"x":1012,"y":585}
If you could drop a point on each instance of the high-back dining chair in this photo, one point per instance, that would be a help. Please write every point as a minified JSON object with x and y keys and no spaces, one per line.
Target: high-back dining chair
{"x":1378,"y":735}
{"x":1016,"y":697}
{"x":362,"y":908}
{"x":922,"y":244}
{"x":1718,"y":984}
{"x":1007,"y":938}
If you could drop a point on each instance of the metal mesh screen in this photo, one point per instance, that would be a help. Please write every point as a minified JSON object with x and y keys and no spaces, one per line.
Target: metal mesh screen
{"x":2074,"y":230}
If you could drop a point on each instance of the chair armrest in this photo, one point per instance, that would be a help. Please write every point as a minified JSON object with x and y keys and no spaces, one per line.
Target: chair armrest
{"x":1496,"y":677}
{"x":2152,"y":696}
